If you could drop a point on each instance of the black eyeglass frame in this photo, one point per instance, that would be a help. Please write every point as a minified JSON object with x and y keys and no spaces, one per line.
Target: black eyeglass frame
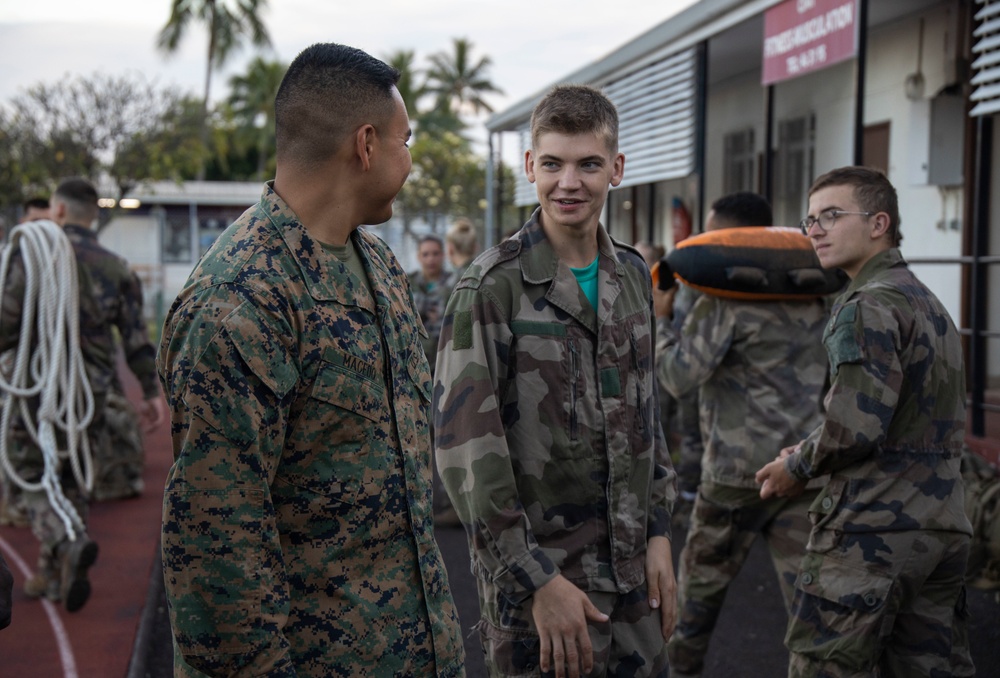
{"x":827,"y":215}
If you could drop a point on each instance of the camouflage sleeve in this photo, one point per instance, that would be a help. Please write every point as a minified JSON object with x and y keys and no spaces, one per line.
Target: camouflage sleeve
{"x":866,"y":377}
{"x":228,"y":380}
{"x":686,"y":359}
{"x":12,"y":304}
{"x":663,"y":492}
{"x":471,"y":449}
{"x":139,"y":352}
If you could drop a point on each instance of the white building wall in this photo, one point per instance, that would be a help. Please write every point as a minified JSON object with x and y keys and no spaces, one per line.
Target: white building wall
{"x":733,"y":105}
{"x":931,"y":216}
{"x":829,"y":95}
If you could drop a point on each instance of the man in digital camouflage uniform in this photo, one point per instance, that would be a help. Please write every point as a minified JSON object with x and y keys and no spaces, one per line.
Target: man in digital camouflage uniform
{"x":297,"y":532}
{"x":756,"y":369}
{"x":548,"y":438}
{"x":881,"y":588}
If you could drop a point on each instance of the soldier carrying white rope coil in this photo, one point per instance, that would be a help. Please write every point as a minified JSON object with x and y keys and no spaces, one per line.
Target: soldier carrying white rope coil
{"x":47,"y":405}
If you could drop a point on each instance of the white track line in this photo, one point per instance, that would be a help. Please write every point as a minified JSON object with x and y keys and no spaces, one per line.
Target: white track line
{"x":58,"y":630}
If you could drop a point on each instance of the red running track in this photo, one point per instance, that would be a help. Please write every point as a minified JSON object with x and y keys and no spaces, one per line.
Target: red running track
{"x":44,"y":640}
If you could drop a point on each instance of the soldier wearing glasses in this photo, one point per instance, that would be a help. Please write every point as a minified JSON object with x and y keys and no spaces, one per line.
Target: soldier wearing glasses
{"x":881,"y":587}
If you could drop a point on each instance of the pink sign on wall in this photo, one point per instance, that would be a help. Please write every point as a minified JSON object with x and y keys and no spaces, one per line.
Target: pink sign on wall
{"x":802,"y":36}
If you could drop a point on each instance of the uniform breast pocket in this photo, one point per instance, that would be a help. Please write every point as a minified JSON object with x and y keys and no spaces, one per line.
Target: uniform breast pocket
{"x":333,"y":448}
{"x":550,"y":386}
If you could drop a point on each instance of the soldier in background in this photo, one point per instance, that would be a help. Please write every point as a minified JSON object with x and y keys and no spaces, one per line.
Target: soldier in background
{"x":735,"y":210}
{"x":35,"y":208}
{"x":108,"y":299}
{"x":430,"y":285}
{"x":881,"y":589}
{"x":548,"y":438}
{"x":755,"y":372}
{"x":115,"y":439}
{"x":463,"y":245}
{"x":297,"y":533}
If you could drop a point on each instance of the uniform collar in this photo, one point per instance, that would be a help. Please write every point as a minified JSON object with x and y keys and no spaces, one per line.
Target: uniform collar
{"x":882,"y":261}
{"x":540,"y":265}
{"x":325,"y":277}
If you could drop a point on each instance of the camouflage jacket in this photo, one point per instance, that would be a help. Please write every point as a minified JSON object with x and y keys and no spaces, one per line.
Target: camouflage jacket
{"x":118,"y":293}
{"x":430,"y":300}
{"x":110,"y":296}
{"x":895,"y":423}
{"x":297,"y":530}
{"x":759,"y":368}
{"x":547,"y":437}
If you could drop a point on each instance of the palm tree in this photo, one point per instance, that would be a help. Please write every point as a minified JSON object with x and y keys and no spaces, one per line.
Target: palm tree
{"x":411,"y":90}
{"x":251,"y":100}
{"x":457,"y":82}
{"x":227,"y":21}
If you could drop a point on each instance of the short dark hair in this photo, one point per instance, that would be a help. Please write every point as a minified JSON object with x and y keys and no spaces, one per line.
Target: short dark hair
{"x":430,"y":237}
{"x":327,"y":92}
{"x":872,"y":190}
{"x":744,"y":209}
{"x":80,"y":198}
{"x":37,"y":202}
{"x":576,"y":109}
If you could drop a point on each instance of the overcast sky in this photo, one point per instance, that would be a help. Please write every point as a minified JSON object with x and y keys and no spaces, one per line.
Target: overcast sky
{"x":532,"y":42}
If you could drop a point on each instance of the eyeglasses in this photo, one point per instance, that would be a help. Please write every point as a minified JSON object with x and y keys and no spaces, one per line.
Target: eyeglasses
{"x":827,"y":219}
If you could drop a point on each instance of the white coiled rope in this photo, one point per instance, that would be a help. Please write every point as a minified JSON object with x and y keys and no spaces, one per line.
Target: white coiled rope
{"x":48,"y":365}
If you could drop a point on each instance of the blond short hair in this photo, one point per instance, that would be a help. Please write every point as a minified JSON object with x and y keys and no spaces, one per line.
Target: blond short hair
{"x":462,"y":236}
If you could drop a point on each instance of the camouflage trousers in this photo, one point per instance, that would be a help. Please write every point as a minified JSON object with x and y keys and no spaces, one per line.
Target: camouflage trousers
{"x":629,"y":644}
{"x":116,"y":444}
{"x":881,"y":604}
{"x":45,"y":523}
{"x":725,"y":523}
{"x":691,"y":448}
{"x":48,"y":527}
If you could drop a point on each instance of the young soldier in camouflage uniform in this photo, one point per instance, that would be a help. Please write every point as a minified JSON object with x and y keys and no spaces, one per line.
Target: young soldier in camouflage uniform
{"x":757,"y":369}
{"x":881,"y":588}
{"x":547,"y":436}
{"x":118,"y":465}
{"x":297,"y":533}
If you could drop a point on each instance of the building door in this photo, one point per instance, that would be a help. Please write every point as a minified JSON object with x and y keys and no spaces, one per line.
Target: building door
{"x":875,"y":151}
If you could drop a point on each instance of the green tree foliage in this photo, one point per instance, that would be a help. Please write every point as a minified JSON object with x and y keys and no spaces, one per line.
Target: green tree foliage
{"x":228,"y":23}
{"x":459,"y":81}
{"x":448,"y":178}
{"x":251,"y":104}
{"x":121,"y":127}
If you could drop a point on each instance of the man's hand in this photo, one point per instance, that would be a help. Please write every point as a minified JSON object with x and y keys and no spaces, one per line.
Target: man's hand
{"x":153,"y":412}
{"x":775,"y":480}
{"x":663,"y":302}
{"x":661,"y":583}
{"x":561,"y":611}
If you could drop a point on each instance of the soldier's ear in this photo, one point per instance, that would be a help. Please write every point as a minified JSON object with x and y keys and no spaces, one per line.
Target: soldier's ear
{"x":880,"y":225}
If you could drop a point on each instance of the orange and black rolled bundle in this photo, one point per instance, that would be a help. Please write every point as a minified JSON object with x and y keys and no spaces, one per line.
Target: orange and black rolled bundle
{"x":757,"y":263}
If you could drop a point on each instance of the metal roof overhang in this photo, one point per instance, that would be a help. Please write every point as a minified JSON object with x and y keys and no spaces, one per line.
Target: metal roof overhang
{"x":676,"y":34}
